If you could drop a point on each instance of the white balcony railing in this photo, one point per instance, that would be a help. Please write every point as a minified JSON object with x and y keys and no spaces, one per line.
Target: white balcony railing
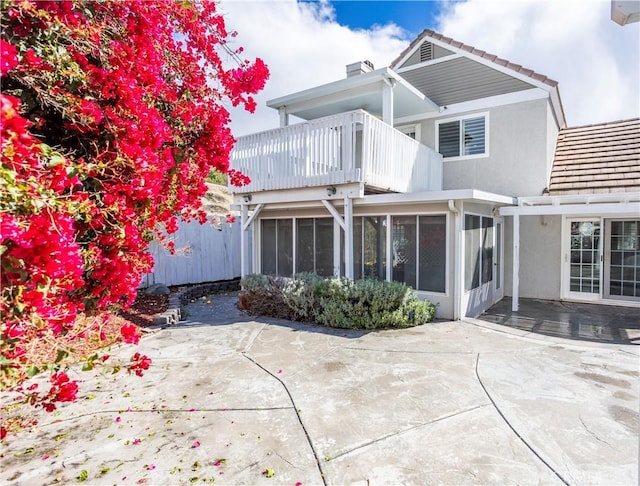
{"x":338,"y":149}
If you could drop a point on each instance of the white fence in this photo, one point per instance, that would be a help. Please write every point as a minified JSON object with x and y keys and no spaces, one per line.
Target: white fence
{"x":350,"y":147}
{"x":204,"y":254}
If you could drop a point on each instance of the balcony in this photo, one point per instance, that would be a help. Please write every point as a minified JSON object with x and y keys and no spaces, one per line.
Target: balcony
{"x":352,"y":147}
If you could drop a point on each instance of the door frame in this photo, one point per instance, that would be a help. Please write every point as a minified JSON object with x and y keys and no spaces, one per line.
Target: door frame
{"x":566,"y":260}
{"x":607,"y":264}
{"x":479,"y":299}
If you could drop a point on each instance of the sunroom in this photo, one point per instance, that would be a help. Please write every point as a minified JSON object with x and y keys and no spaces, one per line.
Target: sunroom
{"x":345,"y":193}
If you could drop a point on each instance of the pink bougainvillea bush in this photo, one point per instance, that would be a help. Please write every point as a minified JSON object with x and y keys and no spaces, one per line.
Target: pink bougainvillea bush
{"x":113,"y":113}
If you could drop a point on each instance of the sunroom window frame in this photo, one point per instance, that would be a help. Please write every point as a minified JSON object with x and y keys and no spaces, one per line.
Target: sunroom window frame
{"x":460,"y":120}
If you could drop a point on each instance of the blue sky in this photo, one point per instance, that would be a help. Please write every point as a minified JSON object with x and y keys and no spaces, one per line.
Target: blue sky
{"x":412,"y":15}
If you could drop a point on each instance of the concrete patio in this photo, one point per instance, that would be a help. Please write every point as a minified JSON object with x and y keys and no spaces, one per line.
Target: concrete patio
{"x":235,"y":399}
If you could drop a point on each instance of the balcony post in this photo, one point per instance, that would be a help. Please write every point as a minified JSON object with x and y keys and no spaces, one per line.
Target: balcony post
{"x":387,"y":101}
{"x":284,"y":116}
{"x":348,"y":237}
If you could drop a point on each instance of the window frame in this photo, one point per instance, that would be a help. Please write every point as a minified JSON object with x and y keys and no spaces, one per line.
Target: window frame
{"x":389,"y":252}
{"x":461,"y":119}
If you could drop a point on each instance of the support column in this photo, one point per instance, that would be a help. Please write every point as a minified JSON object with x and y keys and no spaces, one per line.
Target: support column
{"x":457,"y":287}
{"x":337,"y":254}
{"x":348,"y":237}
{"x":516,"y":264}
{"x":284,"y":117}
{"x":387,"y":101}
{"x":244,"y":242}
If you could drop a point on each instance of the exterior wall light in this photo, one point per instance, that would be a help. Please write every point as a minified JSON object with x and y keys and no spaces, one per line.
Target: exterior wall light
{"x":331,"y":191}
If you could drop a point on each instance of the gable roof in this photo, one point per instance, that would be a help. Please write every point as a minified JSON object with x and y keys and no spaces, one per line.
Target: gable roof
{"x":433,"y":35}
{"x":458,"y":66}
{"x":598,"y":158}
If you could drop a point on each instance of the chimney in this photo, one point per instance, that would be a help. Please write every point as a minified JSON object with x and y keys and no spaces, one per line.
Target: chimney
{"x":360,"y":67}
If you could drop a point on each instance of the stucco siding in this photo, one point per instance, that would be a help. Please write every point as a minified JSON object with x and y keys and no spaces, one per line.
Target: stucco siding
{"x":519,"y":152}
{"x":552,"y":141}
{"x":540,"y":257}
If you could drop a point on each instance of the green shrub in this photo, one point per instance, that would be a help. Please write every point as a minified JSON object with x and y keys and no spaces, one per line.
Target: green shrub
{"x":301,"y":294}
{"x":254,"y":283}
{"x":338,"y":301}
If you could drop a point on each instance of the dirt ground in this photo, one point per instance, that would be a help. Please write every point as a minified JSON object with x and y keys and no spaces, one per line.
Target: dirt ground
{"x":144,"y":308}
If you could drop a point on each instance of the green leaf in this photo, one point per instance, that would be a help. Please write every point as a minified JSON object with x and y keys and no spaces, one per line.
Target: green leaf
{"x":83,"y":476}
{"x":62,"y":354}
{"x":33,"y":371}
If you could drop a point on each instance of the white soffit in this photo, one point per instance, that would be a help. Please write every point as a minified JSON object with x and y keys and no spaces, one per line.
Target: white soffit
{"x":624,"y":12}
{"x":363,"y":91}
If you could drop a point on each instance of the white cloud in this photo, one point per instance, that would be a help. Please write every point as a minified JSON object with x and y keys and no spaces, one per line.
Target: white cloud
{"x":304,"y":47}
{"x":595,"y":60}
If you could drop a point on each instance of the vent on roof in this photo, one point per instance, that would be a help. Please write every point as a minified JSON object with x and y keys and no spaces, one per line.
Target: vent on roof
{"x":426,"y":52}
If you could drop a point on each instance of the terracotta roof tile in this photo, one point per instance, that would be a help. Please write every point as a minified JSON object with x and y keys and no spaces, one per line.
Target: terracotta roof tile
{"x":597,"y":158}
{"x":478,"y":52}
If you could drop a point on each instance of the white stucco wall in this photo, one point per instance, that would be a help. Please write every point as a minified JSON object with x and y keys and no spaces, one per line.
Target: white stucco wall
{"x":521,"y":142}
{"x":552,"y":140}
{"x":540,"y":256}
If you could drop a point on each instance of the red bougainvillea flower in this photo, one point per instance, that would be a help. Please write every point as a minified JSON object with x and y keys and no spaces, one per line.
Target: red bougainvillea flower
{"x":130,"y":333}
{"x":132,"y":96}
{"x":139,"y":363}
{"x":8,"y":57}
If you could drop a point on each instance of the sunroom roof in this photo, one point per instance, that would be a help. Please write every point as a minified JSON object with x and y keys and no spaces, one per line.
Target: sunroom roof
{"x":363,"y":91}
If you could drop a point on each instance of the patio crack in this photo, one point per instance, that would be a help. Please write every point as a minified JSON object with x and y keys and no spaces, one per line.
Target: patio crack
{"x":404,"y":431}
{"x":295,"y":408}
{"x":593,"y":434}
{"x":529,"y":446}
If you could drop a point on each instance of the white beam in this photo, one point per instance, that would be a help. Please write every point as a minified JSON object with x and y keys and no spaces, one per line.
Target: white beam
{"x":573,"y":209}
{"x":348,"y":237}
{"x":515,"y":304}
{"x":300,"y":195}
{"x":334,"y":213}
{"x":256,"y":211}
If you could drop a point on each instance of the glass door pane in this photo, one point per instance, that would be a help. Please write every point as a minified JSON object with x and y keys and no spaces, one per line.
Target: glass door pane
{"x":585,"y":257}
{"x":623,"y":260}
{"x":403,"y":240}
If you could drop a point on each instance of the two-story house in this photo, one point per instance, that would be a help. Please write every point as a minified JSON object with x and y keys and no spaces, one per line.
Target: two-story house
{"x":438,"y":171}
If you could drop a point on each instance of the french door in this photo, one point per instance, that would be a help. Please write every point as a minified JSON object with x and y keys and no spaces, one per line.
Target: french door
{"x":602,"y":259}
{"x":583,"y":259}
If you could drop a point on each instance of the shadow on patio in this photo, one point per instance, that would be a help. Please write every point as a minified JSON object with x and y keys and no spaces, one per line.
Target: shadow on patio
{"x":570,"y":320}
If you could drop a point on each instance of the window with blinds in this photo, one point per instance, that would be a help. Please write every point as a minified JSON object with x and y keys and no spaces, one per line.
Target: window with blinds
{"x":462,"y":137}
